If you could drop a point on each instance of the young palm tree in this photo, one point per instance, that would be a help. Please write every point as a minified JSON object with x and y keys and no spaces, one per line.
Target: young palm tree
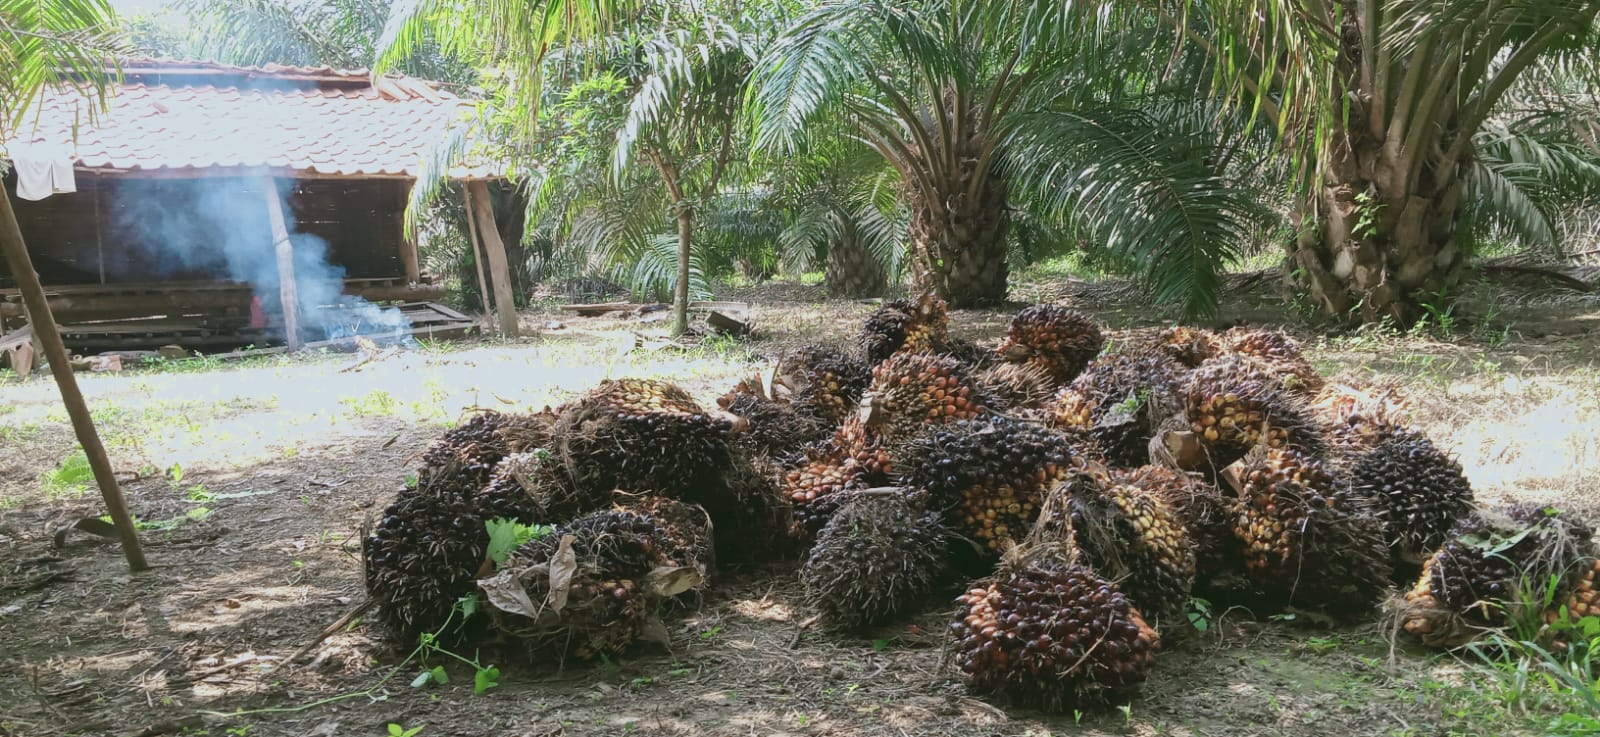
{"x":934,"y":87}
{"x":1383,"y":104}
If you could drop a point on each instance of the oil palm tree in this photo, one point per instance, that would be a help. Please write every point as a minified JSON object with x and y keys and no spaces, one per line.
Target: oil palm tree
{"x":976,"y":103}
{"x":934,"y":87}
{"x":1383,"y":106}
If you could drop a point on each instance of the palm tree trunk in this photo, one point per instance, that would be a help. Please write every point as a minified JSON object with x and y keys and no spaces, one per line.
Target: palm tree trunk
{"x":1379,"y":248}
{"x":958,"y":251}
{"x":852,"y":269}
{"x":1377,"y":236}
{"x":680,"y":296}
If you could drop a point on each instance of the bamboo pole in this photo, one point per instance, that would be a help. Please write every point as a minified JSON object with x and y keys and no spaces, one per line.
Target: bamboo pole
{"x":45,"y":330}
{"x":499,"y":274}
{"x":288,"y":291}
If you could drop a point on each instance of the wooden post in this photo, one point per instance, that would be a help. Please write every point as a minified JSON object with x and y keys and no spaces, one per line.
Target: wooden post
{"x":410,"y":259}
{"x":505,"y":305}
{"x":288,"y":291}
{"x":44,"y":328}
{"x":477,"y":260}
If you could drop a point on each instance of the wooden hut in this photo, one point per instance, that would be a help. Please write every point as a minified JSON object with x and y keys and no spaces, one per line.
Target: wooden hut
{"x":206,"y":192}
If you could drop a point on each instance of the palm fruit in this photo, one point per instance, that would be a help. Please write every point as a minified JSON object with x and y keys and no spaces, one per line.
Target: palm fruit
{"x":1232,"y":406}
{"x":989,"y":476}
{"x":914,"y":389}
{"x":1319,"y":545}
{"x":1189,"y":346}
{"x":590,"y":587}
{"x":1278,"y":354}
{"x":1418,"y":491}
{"x":879,"y":554}
{"x":823,"y":382}
{"x":1121,"y":399}
{"x":425,"y":552}
{"x":643,"y":436}
{"x":1047,"y":632}
{"x":906,"y":326}
{"x":1496,"y":563}
{"x":1060,"y":340}
{"x":1207,"y":515}
{"x":1130,"y":535}
{"x":1016,"y":387}
{"x":770,"y":427}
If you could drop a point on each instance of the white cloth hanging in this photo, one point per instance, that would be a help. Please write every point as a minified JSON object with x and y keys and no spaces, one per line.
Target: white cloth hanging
{"x":42,"y":170}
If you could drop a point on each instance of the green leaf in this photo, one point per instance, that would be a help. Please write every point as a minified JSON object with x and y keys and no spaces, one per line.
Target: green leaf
{"x":439,"y":676}
{"x":396,"y":730}
{"x":485,"y":679}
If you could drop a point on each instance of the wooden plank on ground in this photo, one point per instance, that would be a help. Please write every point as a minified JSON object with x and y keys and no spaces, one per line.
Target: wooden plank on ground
{"x":599,"y":308}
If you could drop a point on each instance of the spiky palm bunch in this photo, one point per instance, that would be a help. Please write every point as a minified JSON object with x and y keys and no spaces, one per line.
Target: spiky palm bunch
{"x":879,"y":554}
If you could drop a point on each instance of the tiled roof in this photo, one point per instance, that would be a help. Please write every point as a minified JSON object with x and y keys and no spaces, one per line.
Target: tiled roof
{"x":187,"y":118}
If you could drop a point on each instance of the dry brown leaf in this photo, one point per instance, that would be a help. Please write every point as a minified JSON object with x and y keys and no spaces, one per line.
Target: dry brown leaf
{"x":562,"y":565}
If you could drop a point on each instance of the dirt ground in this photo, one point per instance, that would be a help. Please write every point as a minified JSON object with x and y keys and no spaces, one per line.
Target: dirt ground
{"x":254,"y":480}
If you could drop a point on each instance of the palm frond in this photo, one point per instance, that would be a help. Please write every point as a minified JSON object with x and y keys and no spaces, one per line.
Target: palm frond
{"x":1146,"y":190}
{"x":70,"y":44}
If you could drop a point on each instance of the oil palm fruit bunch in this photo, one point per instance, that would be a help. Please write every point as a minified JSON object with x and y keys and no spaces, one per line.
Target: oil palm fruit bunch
{"x":1418,"y":490}
{"x":855,"y":457}
{"x":1131,"y":535}
{"x":643,"y":436}
{"x":771,"y":427}
{"x":1121,"y":399}
{"x":914,"y":389}
{"x":423,"y":555}
{"x":906,"y":326}
{"x":1583,"y":602}
{"x":1308,"y":538}
{"x":972,"y":355}
{"x":1277,"y":353}
{"x":1046,"y":631}
{"x":1017,"y":387}
{"x":530,"y":487}
{"x":684,"y":532}
{"x":475,"y":446}
{"x":1233,"y":406}
{"x":1189,"y":346}
{"x":822,"y":381}
{"x":1496,"y":562}
{"x":1206,"y":513}
{"x":989,"y":476}
{"x":884,"y":332}
{"x":751,"y":507}
{"x":879,"y":554}
{"x":1061,"y":340}
{"x":1359,"y":419}
{"x":590,"y":587}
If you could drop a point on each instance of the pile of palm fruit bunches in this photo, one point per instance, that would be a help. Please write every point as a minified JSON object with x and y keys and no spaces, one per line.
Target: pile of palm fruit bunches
{"x":1072,"y":499}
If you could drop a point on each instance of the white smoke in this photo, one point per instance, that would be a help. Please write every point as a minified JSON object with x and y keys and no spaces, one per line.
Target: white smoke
{"x":219,"y":228}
